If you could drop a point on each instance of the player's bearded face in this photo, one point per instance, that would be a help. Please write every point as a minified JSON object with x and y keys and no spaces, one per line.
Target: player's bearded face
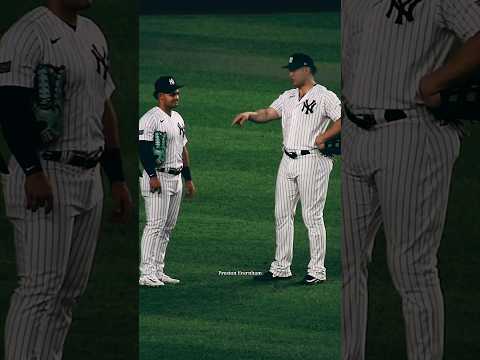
{"x":172,"y":100}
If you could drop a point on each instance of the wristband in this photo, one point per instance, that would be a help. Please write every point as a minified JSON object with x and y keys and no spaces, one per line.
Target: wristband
{"x":112,"y":165}
{"x":186,"y":174}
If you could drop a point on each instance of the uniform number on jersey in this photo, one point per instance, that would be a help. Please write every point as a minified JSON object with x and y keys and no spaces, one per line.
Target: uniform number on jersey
{"x":308,"y":107}
{"x":404,"y":10}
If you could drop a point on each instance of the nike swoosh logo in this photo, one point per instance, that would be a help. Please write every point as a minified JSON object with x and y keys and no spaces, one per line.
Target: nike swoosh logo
{"x":54,"y":41}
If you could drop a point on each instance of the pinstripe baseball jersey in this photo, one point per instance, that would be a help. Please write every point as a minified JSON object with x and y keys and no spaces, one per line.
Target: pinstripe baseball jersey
{"x":40,"y":37}
{"x":382,"y":68}
{"x":304,"y":119}
{"x":156,"y":120}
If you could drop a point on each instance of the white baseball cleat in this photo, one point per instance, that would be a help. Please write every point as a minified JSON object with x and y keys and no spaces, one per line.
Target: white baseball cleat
{"x":150,"y":280}
{"x":167,"y":279}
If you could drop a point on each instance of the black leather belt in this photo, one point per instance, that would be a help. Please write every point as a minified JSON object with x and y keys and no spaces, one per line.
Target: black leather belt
{"x":172,"y":171}
{"x":367,"y":121}
{"x":294,"y":155}
{"x":75,"y":158}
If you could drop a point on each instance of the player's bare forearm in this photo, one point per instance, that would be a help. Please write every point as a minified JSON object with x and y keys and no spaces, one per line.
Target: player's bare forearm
{"x":186,"y":174}
{"x":186,"y":157}
{"x":259,"y":116}
{"x":465,"y":61}
{"x":111,"y":159}
{"x":112,"y":165}
{"x":264,"y":115}
{"x":110,"y":126}
{"x":333,"y":130}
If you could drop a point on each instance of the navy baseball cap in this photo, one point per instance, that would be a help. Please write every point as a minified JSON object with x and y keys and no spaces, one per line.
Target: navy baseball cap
{"x":298,"y":60}
{"x":166,"y":85}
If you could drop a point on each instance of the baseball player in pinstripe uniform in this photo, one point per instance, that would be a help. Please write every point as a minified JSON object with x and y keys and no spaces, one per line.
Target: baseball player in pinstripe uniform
{"x":164,"y":156}
{"x":397,"y":159}
{"x":53,"y":192}
{"x":306,"y":112}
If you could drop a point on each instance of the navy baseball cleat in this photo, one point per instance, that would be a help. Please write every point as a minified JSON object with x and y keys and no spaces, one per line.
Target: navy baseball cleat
{"x":268,"y":276}
{"x":312,"y":280}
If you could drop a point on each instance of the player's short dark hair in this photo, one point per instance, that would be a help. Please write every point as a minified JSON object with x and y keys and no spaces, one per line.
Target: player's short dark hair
{"x":313,"y":69}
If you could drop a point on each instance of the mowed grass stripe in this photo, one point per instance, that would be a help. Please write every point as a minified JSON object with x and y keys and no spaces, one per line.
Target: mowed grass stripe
{"x":293,"y":28}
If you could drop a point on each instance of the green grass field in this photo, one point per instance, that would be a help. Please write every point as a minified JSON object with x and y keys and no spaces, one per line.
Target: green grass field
{"x":231,"y":64}
{"x":105,"y":322}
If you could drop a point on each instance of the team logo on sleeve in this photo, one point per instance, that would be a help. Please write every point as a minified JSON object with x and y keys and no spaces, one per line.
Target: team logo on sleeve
{"x":404,"y":9}
{"x":308,"y":106}
{"x":102,"y":61}
{"x":5,"y":67}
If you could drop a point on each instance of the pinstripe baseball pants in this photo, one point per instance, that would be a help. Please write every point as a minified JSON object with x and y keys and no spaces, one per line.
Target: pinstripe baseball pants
{"x":304,"y":178}
{"x":54,"y":255}
{"x":397,"y":174}
{"x":161,"y":210}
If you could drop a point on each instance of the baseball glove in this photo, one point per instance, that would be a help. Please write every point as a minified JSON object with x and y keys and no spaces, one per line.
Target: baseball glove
{"x":332,"y":147}
{"x":460,"y":103}
{"x":159,"y":147}
{"x":48,"y":102}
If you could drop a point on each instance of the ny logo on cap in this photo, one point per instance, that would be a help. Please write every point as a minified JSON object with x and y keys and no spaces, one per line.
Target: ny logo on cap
{"x":290,"y":60}
{"x":171,"y":81}
{"x":404,"y":9}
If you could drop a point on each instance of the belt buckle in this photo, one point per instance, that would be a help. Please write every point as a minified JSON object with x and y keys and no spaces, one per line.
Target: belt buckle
{"x":82,"y":160}
{"x":364,"y":121}
{"x":368,"y":121}
{"x":394,"y":115}
{"x":292,"y":155}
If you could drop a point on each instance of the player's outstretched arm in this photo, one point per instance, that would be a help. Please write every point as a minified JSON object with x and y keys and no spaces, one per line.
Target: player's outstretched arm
{"x":112,"y":165}
{"x":259,"y":116}
{"x":186,"y":174}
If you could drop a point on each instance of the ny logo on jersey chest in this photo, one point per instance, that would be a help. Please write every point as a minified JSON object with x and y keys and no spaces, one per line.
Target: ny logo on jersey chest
{"x":181,"y":130}
{"x":308,"y":106}
{"x":404,"y":9}
{"x":102,"y":61}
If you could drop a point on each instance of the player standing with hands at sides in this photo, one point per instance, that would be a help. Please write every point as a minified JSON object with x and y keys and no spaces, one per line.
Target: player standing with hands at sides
{"x":306,"y":112}
{"x":397,"y":157}
{"x":164,"y":156}
{"x":60,"y":60}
